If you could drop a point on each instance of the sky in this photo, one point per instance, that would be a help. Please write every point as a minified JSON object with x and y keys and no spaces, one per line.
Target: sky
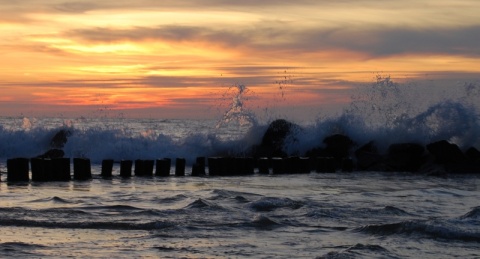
{"x":184,"y":59}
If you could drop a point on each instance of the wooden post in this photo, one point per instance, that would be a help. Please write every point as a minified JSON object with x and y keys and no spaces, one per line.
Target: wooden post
{"x":198,"y":169}
{"x":325,"y":165}
{"x":213,"y":166}
{"x":126,"y":168}
{"x":61,"y":169}
{"x":41,"y":169}
{"x":17,"y":169}
{"x":107,"y":167}
{"x":293,"y":165}
{"x":305,"y":166}
{"x":82,"y":169}
{"x":139,"y":168}
{"x":180,"y":167}
{"x":163,"y":167}
{"x":278,"y":165}
{"x":148,"y":167}
{"x":263,"y":165}
{"x":245,"y":165}
{"x":347,"y":165}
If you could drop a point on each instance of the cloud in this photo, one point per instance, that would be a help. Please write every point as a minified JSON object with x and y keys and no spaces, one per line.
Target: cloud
{"x":169,"y":33}
{"x":394,"y":41}
{"x":275,"y":37}
{"x":76,"y":7}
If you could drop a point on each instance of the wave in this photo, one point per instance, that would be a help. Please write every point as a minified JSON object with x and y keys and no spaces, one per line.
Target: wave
{"x":360,"y":250}
{"x":21,"y":249}
{"x":385,"y":211}
{"x":387,"y":112}
{"x":109,"y":225}
{"x":271,"y":204}
{"x":474,"y":214}
{"x":204,"y":204}
{"x":54,"y":199}
{"x":241,"y":197}
{"x":263,"y":222}
{"x":449,"y":230}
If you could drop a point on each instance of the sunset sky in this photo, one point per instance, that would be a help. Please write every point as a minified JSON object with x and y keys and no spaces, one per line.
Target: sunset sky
{"x":176,"y":59}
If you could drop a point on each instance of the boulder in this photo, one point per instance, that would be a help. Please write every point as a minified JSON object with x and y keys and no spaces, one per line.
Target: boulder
{"x":316,"y":152}
{"x":453,"y":159}
{"x":446,"y":153}
{"x":368,"y":156}
{"x":273,"y":141}
{"x":407,"y":157}
{"x":338,"y":146}
{"x":473,"y":155}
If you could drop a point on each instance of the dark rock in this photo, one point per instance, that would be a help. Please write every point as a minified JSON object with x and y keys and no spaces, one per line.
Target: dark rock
{"x":338,"y":146}
{"x":52,"y":153}
{"x":325,"y":165}
{"x":407,"y":157}
{"x":347,"y":165}
{"x":473,"y":154}
{"x":316,"y":152}
{"x":453,"y":159}
{"x":276,"y":133}
{"x":446,"y":153}
{"x":273,"y":140}
{"x":370,"y":147}
{"x":60,"y":138}
{"x":368,"y":156}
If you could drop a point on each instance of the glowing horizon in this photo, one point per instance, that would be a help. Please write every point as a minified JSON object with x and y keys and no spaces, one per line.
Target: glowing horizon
{"x":175,"y":59}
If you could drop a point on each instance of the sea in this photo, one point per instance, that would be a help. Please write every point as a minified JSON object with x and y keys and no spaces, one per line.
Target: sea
{"x":358,"y":214}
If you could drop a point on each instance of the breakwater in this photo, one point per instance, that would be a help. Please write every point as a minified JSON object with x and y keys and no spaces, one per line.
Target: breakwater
{"x":440,"y":158}
{"x":60,"y":169}
{"x":274,"y":152}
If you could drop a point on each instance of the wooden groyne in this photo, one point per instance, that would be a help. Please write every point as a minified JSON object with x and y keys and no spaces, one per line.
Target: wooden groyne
{"x":60,"y":169}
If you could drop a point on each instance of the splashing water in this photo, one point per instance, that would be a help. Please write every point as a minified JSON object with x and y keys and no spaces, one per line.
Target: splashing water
{"x":389,"y":112}
{"x":386,"y":111}
{"x":237,"y":113}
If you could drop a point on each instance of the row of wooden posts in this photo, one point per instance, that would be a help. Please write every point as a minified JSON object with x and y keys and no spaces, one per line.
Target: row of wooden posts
{"x":58,"y":169}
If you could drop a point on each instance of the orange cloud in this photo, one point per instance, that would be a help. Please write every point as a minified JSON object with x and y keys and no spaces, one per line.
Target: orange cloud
{"x":180,"y":56}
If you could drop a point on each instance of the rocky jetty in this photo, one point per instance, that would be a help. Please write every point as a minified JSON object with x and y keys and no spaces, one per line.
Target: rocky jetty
{"x":437,"y":158}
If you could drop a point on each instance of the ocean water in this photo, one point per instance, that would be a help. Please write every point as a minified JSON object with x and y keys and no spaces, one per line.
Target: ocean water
{"x":344,"y":215}
{"x":315,"y":215}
